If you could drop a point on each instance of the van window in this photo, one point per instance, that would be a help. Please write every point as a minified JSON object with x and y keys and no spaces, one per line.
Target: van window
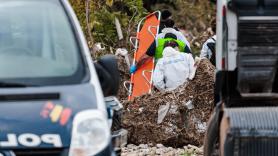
{"x":37,"y":43}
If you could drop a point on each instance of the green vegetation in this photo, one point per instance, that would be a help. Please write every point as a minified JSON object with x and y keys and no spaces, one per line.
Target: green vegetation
{"x":192,"y":16}
{"x":102,"y":19}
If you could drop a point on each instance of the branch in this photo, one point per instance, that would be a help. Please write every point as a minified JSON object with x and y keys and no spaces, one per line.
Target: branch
{"x":89,"y":28}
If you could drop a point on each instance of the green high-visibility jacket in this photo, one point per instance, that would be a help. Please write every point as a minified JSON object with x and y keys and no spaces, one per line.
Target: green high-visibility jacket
{"x":161,"y":43}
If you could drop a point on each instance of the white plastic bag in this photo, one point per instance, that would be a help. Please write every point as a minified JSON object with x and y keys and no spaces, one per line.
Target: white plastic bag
{"x":123,"y":52}
{"x":162,"y":112}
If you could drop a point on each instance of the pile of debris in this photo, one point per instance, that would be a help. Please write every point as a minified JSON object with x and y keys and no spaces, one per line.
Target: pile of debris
{"x":124,"y":76}
{"x":175,"y":118}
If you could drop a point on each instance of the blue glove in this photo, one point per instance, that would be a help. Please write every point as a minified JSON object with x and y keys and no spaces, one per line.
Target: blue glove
{"x":132,"y":69}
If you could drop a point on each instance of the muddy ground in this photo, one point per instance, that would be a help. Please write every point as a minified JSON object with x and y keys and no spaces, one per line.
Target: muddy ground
{"x":182,"y":125}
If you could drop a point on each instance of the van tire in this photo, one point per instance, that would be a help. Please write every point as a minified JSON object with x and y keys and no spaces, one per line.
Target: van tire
{"x":116,"y":121}
{"x":211,"y":137}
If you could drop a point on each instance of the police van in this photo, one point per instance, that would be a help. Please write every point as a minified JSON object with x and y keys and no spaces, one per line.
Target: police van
{"x":51,"y":100}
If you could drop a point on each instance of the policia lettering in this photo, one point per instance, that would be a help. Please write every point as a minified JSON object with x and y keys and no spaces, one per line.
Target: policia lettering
{"x":161,"y":43}
{"x":31,"y":140}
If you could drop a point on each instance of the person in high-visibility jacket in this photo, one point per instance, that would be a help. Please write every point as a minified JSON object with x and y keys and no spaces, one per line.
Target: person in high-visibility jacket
{"x":169,"y":38}
{"x":156,"y":48}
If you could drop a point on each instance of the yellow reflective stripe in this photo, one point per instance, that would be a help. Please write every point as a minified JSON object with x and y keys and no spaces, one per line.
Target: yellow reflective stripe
{"x":56,"y":112}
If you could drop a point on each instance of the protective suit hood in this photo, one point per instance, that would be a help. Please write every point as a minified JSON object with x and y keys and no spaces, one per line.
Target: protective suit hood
{"x":169,"y":30}
{"x":169,"y":51}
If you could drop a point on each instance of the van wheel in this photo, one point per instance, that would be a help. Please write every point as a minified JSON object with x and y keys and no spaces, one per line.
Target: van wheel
{"x":116,"y":121}
{"x":211,"y":142}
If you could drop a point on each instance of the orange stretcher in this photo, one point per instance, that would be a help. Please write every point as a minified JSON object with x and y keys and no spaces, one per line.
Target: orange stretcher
{"x":141,"y":80}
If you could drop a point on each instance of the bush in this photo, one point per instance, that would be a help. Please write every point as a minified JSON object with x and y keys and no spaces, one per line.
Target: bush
{"x":102,"y":19}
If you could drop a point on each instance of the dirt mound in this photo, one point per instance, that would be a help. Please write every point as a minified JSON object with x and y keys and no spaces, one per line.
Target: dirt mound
{"x":181,"y":125}
{"x":125,"y":76}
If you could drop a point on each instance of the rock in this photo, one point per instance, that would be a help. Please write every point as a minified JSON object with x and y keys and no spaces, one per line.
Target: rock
{"x":190,"y":151}
{"x":124,"y":154}
{"x":129,"y":146}
{"x":158,"y":151}
{"x":152,"y":151}
{"x":170,"y":153}
{"x":143,"y":146}
{"x":147,"y":151}
{"x":141,"y":154}
{"x":130,"y":150}
{"x":170,"y":148}
{"x":159,"y":146}
{"x":180,"y":151}
{"x":194,"y":148}
{"x":133,"y":154}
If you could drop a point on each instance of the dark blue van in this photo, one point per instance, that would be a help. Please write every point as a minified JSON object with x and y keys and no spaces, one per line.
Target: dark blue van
{"x":51,"y":99}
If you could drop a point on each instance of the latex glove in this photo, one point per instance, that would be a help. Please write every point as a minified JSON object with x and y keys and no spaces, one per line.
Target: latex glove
{"x":132,"y":69}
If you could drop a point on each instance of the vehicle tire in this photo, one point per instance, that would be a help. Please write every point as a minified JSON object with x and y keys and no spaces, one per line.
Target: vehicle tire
{"x":211,"y":142}
{"x":116,"y":121}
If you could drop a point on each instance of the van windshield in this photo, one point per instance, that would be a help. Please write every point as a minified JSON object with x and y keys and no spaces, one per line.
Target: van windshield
{"x":38,"y":44}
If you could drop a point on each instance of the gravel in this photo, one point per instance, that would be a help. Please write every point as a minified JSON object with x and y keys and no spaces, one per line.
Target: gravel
{"x":160,"y":150}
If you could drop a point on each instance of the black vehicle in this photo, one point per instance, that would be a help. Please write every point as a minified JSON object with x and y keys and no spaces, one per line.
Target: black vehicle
{"x":244,"y":122}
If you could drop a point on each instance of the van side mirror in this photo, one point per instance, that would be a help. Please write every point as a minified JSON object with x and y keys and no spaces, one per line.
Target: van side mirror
{"x":108,"y":74}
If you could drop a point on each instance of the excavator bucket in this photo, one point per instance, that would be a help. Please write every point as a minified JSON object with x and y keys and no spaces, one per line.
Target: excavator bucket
{"x":141,"y":80}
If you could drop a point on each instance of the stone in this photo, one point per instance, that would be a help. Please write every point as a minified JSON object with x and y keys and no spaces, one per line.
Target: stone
{"x":159,"y":146}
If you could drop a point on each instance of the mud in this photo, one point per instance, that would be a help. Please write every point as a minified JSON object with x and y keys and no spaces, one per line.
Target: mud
{"x":125,"y":76}
{"x":180,"y":125}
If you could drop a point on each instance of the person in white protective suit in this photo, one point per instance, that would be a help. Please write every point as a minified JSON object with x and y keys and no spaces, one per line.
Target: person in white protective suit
{"x":208,"y":49}
{"x":173,"y":69}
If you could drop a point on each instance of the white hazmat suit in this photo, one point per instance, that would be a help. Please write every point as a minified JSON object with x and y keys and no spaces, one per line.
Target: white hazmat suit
{"x":173,"y":69}
{"x":206,"y":52}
